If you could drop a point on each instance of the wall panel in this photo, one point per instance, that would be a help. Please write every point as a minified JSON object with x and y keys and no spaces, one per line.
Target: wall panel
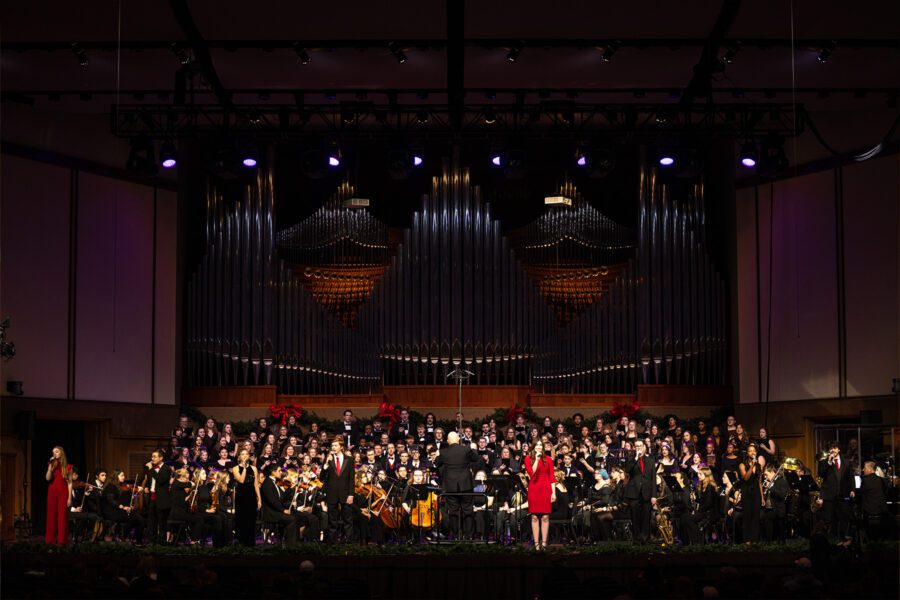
{"x":34,"y":273}
{"x":747,"y":333}
{"x":114,"y":290}
{"x":872,"y":274}
{"x":164,"y":391}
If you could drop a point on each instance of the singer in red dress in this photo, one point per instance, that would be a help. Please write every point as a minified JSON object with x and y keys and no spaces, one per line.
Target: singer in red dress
{"x":59,"y":497}
{"x":539,"y":467}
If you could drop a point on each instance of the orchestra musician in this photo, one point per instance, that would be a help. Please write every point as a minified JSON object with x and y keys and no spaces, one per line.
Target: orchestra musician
{"x":273,"y":508}
{"x":116,"y":505}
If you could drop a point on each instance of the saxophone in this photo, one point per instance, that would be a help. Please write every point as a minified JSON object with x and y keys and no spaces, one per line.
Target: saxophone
{"x":665,"y":527}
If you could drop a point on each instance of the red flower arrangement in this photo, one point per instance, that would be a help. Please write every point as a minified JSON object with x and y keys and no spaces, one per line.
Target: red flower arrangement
{"x":285,"y":411}
{"x":620,"y":410}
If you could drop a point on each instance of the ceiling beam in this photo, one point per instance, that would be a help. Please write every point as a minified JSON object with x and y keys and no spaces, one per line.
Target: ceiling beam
{"x":700,"y":84}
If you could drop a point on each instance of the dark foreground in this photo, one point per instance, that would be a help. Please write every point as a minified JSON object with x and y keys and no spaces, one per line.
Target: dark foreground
{"x":473,"y":572}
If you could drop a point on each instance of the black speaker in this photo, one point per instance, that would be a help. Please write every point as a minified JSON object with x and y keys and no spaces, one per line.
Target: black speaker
{"x":24,"y":423}
{"x":870,"y":417}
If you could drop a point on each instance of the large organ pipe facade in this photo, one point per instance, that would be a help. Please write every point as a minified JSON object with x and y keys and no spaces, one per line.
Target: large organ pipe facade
{"x":663,"y":320}
{"x":455,"y":296}
{"x":250,"y":322}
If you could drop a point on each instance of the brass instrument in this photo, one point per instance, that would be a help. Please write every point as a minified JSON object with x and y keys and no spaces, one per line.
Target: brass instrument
{"x":665,"y":527}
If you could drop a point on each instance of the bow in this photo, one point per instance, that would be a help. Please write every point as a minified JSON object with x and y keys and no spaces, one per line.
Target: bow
{"x":620,"y":410}
{"x":514,"y":411}
{"x":283,"y":412}
{"x":390,"y":413}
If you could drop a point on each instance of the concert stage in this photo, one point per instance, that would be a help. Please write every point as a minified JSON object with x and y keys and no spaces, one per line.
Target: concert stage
{"x":456,"y":571}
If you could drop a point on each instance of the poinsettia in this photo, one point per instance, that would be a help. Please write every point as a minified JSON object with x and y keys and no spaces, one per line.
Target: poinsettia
{"x":285,"y":411}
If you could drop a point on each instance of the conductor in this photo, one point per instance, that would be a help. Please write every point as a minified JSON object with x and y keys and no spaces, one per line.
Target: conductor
{"x":455,"y":463}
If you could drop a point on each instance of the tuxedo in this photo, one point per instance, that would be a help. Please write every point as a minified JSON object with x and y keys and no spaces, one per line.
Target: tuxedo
{"x":400,"y":431}
{"x":158,"y":482}
{"x":273,"y":510}
{"x":350,"y":433}
{"x":640,"y":490}
{"x":837,"y":483}
{"x":874,"y":507}
{"x":455,"y":463}
{"x":338,"y":486}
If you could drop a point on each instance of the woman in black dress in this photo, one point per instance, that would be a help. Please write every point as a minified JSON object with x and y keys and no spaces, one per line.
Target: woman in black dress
{"x":751,"y":493}
{"x":247,"y":499}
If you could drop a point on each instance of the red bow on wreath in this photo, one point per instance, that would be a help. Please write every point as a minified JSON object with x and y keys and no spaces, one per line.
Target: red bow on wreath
{"x":390,"y":413}
{"x":620,"y":410}
{"x":513,"y":412}
{"x":284,"y":411}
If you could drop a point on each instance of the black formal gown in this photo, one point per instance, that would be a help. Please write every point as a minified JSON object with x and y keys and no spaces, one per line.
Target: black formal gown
{"x":245,"y":509}
{"x":751,"y":498}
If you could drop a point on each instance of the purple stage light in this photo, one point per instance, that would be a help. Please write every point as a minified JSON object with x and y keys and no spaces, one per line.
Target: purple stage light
{"x":417,"y":161}
{"x":666,"y":160}
{"x":748,"y":162}
{"x":582,"y":160}
{"x":249,"y":162}
{"x":334,"y":161}
{"x":495,"y":160}
{"x":168,"y":163}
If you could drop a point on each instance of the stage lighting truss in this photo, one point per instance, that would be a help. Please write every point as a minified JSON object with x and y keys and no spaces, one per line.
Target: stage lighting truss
{"x":373,"y":120}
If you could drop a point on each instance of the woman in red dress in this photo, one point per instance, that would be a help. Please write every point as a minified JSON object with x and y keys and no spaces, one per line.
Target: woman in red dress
{"x":539,"y":467}
{"x":59,"y":497}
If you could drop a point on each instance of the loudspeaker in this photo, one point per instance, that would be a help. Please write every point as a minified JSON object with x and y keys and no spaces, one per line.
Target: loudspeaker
{"x":870,"y":417}
{"x":24,"y":423}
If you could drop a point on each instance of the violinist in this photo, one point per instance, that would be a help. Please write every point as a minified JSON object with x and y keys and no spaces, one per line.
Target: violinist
{"x":84,"y":511}
{"x":204,"y":507}
{"x":184,"y":504}
{"x":366,"y":508}
{"x":159,"y":477}
{"x":707,"y":504}
{"x":274,"y":511}
{"x":304,"y":503}
{"x":116,"y":505}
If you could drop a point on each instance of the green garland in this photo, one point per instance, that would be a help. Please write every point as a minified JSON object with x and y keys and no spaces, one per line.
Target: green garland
{"x":243,"y":428}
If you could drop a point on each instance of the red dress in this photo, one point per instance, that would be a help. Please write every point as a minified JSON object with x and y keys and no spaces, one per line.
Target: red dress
{"x":57,"y":509}
{"x":539,"y":488}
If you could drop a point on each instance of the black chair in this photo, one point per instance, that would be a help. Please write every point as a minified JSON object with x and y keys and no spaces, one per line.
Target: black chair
{"x":180,"y":530}
{"x":271,"y":531}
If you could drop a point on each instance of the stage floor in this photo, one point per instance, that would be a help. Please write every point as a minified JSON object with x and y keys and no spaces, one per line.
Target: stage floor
{"x":470,"y":571}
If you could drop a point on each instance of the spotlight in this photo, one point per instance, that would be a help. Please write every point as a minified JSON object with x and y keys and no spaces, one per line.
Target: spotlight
{"x":581,"y":161}
{"x":610,"y":51}
{"x":666,"y":158}
{"x":334,"y":156}
{"x":749,"y":155}
{"x":180,"y":53}
{"x":496,"y":159}
{"x":514,"y":52}
{"x":249,"y":158}
{"x":141,"y":157}
{"x":730,"y":53}
{"x":417,"y":161}
{"x":422,"y":116}
{"x":398,"y":53}
{"x":80,"y":54}
{"x":418,"y":155}
{"x":302,"y":54}
{"x":167,"y":155}
{"x":825,"y":53}
{"x":489,"y":116}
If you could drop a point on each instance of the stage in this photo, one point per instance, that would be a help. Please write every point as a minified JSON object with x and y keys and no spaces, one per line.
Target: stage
{"x":451,"y":571}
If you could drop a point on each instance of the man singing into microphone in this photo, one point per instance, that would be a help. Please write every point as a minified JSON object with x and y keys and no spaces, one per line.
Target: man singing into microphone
{"x":337,"y":476}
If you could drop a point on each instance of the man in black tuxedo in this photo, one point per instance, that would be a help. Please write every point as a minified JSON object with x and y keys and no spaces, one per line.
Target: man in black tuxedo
{"x":874,"y":503}
{"x":349,"y":430}
{"x":337,"y":477}
{"x":775,"y":508}
{"x":837,"y":489}
{"x":273,"y":509}
{"x":641,"y":490}
{"x":455,"y":463}
{"x":159,"y":478}
{"x":402,"y":428}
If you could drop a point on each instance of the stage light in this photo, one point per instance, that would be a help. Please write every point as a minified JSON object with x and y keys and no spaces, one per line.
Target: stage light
{"x":729,"y":55}
{"x":749,"y":155}
{"x":514,"y":52}
{"x":581,"y":161}
{"x":302,"y":54}
{"x":610,"y":51}
{"x":667,"y":159}
{"x":398,"y":53}
{"x":772,"y":159}
{"x":497,"y":159}
{"x":168,"y":157}
{"x":417,"y":160}
{"x":334,"y":156}
{"x":825,"y":53}
{"x":597,"y":162}
{"x":80,"y":54}
{"x":180,"y":53}
{"x":422,"y":116}
{"x":403,"y":159}
{"x":141,"y":157}
{"x":489,"y":116}
{"x":249,"y":158}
